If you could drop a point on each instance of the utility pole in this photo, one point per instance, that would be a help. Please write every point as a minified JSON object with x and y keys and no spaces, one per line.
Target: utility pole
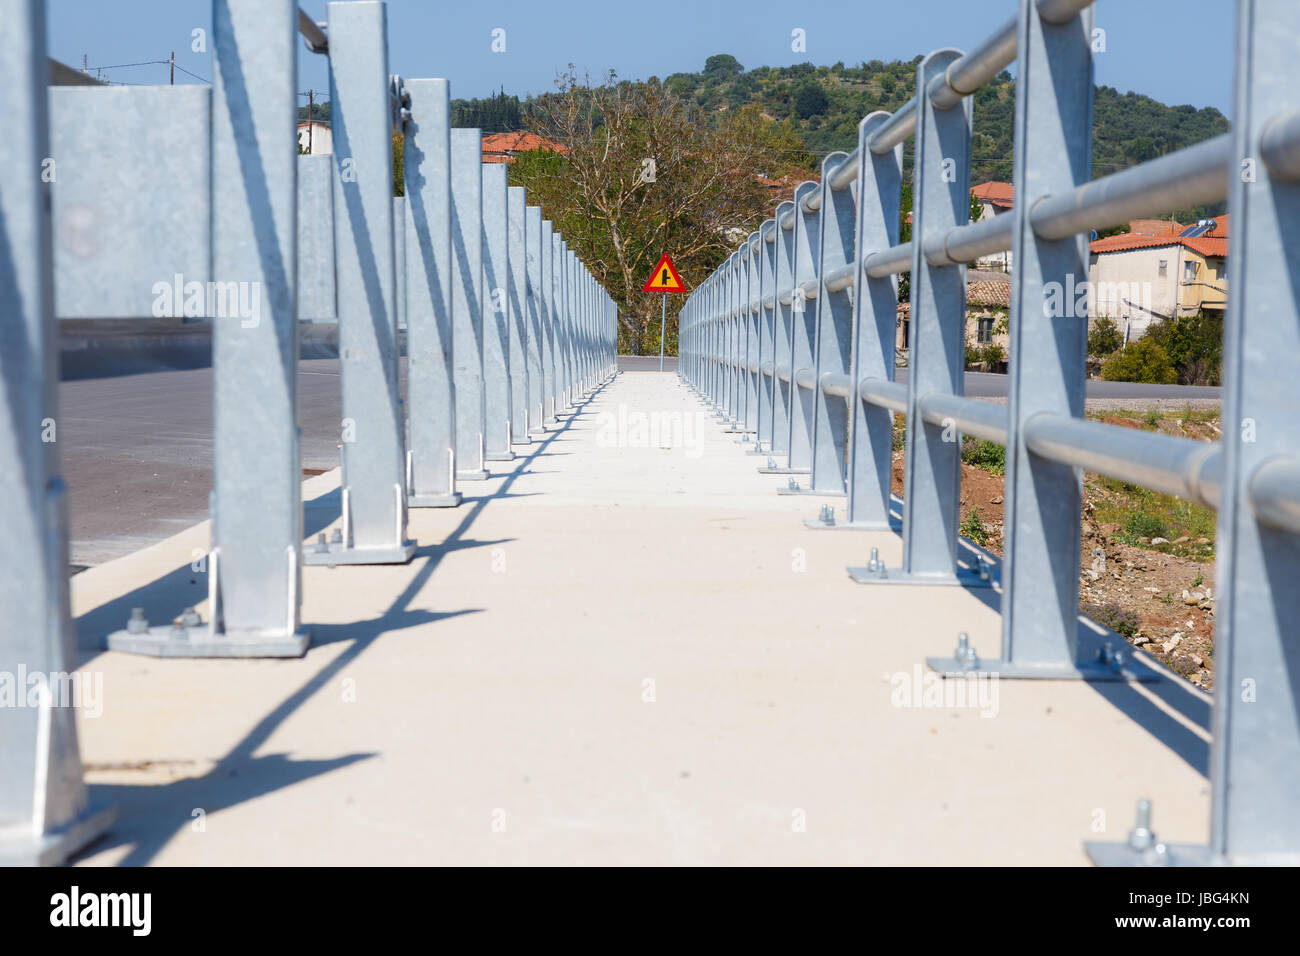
{"x":173,"y":79}
{"x":311,"y":117}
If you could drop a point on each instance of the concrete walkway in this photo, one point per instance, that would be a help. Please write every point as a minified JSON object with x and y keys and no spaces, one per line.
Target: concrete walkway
{"x":616,"y":653}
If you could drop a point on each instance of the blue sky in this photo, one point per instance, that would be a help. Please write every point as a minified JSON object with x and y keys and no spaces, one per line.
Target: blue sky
{"x":1178,"y":51}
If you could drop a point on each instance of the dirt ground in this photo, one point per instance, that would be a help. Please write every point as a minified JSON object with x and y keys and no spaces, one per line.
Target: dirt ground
{"x":1171,"y":594}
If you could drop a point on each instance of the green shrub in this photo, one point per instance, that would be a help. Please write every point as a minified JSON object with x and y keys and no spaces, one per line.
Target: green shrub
{"x":1142,"y":361}
{"x":1143,"y":524}
{"x":988,"y":455}
{"x":972,"y":356}
{"x":1104,"y":337}
{"x":1194,"y":344}
{"x":992,"y":354}
{"x":1116,"y":618}
{"x":972,"y":527}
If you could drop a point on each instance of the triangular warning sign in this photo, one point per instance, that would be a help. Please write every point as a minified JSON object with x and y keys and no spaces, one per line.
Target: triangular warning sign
{"x":665,"y":277}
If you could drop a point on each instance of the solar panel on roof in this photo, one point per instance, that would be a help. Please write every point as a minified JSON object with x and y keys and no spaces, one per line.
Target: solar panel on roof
{"x":1199,"y":228}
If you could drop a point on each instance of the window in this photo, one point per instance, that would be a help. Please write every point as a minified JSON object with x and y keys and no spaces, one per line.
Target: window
{"x":1189,"y":270}
{"x":1164,"y":267}
{"x":985,"y":329}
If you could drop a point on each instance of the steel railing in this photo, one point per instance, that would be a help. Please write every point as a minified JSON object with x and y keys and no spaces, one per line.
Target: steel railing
{"x":506,"y":330}
{"x":779,"y":335}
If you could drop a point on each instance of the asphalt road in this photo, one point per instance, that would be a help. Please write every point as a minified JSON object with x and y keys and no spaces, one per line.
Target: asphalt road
{"x":137,"y":452}
{"x":137,"y":449}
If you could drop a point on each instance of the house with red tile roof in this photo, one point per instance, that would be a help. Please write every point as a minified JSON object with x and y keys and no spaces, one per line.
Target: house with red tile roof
{"x":1152,"y":272}
{"x":504,"y":147}
{"x":995,"y":199}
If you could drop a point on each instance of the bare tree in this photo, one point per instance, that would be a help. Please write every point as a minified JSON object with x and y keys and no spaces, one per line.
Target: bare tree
{"x":638,"y":171}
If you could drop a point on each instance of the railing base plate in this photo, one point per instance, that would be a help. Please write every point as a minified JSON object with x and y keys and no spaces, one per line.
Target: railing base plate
{"x":811,"y":491}
{"x":337,"y":554}
{"x":1178,"y":854}
{"x":1011,"y":670}
{"x":506,"y":455}
{"x":434,"y":500}
{"x":964,"y":578}
{"x":198,"y":642}
{"x":479,"y":475}
{"x":784,"y":470}
{"x":18,"y":847}
{"x":817,"y":524}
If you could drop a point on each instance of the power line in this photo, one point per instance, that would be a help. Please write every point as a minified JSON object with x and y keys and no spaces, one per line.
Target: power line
{"x":188,"y":73}
{"x":123,"y":66}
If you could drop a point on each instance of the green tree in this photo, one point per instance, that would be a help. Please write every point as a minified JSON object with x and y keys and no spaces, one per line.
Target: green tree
{"x":641,"y":171}
{"x":810,"y":99}
{"x":1141,"y":361}
{"x":723,"y":64}
{"x":1104,"y":337}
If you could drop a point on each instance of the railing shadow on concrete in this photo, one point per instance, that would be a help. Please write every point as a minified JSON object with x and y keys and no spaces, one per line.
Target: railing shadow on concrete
{"x":240,"y":776}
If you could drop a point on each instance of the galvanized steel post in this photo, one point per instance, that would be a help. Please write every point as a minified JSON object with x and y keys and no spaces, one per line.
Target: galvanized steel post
{"x":431,"y":396}
{"x":374,"y":485}
{"x":496,"y":315}
{"x":782,"y":341}
{"x":467,"y":300}
{"x":875,"y":316}
{"x":937,"y":351}
{"x":546,"y":309}
{"x":806,"y":229}
{"x":45,"y":813}
{"x":1255,"y":721}
{"x":517,"y":274}
{"x":832,"y":345}
{"x":536,"y":322}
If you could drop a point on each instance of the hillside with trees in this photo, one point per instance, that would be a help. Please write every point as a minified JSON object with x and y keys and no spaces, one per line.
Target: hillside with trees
{"x":823,"y":105}
{"x":775,"y":124}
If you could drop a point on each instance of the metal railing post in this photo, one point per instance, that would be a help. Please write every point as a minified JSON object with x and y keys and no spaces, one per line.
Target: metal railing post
{"x":766,"y":260}
{"x":557,"y":322}
{"x":750,"y":368}
{"x":431,"y":396}
{"x":373,"y":446}
{"x":806,"y":235}
{"x":532,"y":301}
{"x":1255,"y":748}
{"x":937,"y":351}
{"x":1040,"y":570}
{"x":563,"y":329}
{"x":45,"y":814}
{"x":256,"y":502}
{"x":728,"y":339}
{"x":467,"y":301}
{"x":782,"y":254}
{"x":875,"y":317}
{"x":546,"y":310}
{"x":496,"y":315}
{"x":833,"y":342}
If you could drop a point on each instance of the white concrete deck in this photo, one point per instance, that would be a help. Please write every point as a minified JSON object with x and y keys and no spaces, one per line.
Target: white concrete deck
{"x":488,"y":703}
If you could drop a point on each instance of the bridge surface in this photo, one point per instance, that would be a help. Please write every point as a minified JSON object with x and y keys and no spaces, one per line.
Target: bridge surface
{"x":614,"y":653}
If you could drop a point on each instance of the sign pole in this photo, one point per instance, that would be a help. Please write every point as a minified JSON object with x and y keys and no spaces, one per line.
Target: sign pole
{"x":664,"y":279}
{"x":663,"y":317}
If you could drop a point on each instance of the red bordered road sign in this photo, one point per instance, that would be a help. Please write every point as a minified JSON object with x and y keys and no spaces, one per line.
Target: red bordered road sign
{"x":665,"y":277}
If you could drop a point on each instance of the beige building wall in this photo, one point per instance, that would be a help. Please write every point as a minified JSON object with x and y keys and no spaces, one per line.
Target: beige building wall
{"x":1130,"y":288}
{"x":998,"y":261}
{"x":322,"y":140}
